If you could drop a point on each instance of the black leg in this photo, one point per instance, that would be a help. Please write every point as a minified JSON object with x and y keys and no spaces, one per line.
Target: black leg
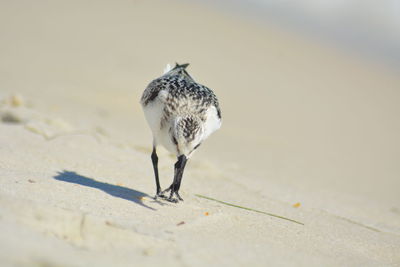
{"x":154,"y":159}
{"x":179,"y":168}
{"x":182,"y":165}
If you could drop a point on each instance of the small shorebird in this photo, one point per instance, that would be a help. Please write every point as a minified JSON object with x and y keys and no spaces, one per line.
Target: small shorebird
{"x":181,"y":114}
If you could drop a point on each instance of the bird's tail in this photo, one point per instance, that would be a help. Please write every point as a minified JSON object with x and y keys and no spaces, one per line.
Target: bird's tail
{"x":177,"y":66}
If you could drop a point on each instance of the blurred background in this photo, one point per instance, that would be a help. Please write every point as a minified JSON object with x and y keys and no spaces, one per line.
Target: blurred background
{"x":365,"y":28}
{"x":309,"y":89}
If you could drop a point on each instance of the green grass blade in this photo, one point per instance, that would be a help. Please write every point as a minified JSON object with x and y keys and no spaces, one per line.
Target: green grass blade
{"x":250,"y":209}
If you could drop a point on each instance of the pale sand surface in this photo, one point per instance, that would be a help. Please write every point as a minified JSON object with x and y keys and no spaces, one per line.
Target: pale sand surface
{"x":302,"y":123}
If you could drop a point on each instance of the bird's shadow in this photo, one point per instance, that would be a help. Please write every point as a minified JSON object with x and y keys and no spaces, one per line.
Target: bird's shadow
{"x":113,"y":190}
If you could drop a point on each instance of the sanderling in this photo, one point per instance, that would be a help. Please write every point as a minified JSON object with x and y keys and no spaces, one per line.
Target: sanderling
{"x":181,"y":114}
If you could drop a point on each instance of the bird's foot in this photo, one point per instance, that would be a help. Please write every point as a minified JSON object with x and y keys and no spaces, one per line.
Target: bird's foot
{"x":165,"y":191}
{"x":160,"y":194}
{"x":174,"y":200}
{"x":178,"y":196}
{"x":171,"y":197}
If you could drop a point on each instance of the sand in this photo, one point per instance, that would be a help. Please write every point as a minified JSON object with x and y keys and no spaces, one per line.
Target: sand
{"x":309,"y":133}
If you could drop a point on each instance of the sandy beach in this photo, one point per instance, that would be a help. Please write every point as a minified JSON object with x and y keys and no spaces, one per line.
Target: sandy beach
{"x":304,"y":171}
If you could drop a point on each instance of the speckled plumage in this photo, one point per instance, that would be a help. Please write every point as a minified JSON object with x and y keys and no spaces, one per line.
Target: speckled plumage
{"x":184,"y":94}
{"x":180,"y":97}
{"x":181,"y":114}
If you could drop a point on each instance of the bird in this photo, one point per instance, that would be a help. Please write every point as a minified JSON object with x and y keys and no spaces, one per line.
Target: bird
{"x":181,"y":114}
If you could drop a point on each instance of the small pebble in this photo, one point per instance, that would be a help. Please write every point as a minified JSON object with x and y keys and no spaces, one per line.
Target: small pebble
{"x":296,"y":205}
{"x":17,"y":100}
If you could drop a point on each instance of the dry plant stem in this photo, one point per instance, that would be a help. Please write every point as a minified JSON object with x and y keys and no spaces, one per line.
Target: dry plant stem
{"x":240,"y":207}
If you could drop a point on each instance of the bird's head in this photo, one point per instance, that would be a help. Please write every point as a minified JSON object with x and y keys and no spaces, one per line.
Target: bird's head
{"x":187,"y":134}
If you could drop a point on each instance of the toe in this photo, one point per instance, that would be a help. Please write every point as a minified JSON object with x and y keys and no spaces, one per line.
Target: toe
{"x":172,"y":200}
{"x":178,"y":196}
